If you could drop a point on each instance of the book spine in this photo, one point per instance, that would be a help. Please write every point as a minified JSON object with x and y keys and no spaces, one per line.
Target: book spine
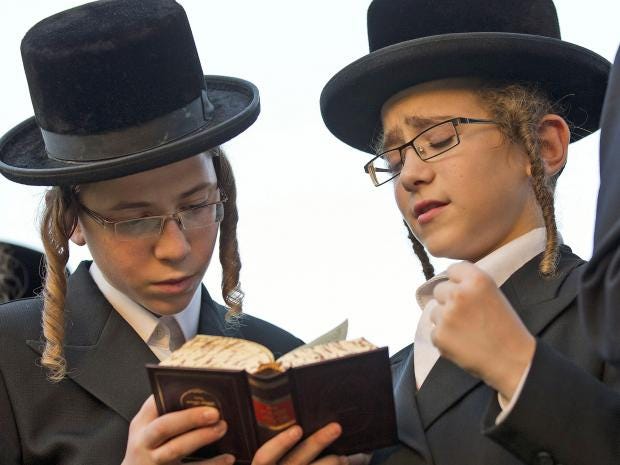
{"x":273,"y":405}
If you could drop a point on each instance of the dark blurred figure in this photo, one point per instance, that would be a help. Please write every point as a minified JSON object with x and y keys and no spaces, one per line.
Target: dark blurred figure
{"x":599,"y":298}
{"x":21,"y":271}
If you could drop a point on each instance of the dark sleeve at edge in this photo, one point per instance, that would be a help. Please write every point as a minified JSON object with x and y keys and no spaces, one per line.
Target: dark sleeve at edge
{"x":562,"y":411}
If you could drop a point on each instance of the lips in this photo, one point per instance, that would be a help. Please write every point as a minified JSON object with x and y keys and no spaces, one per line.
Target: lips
{"x":176,"y":285}
{"x":424,"y":206}
{"x":174,"y":280}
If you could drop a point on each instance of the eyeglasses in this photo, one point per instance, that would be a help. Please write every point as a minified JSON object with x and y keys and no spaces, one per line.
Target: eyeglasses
{"x":428,"y":144}
{"x":195,"y":217}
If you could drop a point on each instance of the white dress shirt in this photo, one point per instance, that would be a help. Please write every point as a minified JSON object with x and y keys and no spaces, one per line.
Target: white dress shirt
{"x":500,"y":265}
{"x":144,"y":322}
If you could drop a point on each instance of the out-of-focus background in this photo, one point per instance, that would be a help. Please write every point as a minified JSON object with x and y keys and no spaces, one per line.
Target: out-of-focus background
{"x":318,"y":242}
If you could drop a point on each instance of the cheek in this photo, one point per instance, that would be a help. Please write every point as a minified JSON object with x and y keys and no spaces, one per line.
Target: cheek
{"x":124,"y":260}
{"x":404,"y":202}
{"x":120,"y":258}
{"x":401,"y":196}
{"x":203,"y":244}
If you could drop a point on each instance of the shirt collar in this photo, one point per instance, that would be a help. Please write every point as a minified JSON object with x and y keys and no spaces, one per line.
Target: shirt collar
{"x":499,"y":264}
{"x":503,"y":262}
{"x":138,"y":317}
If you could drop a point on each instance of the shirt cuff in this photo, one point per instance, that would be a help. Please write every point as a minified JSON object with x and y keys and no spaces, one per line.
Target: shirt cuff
{"x":507,"y":406}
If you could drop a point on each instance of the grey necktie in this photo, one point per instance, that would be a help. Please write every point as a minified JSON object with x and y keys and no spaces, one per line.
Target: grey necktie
{"x":177,"y":338}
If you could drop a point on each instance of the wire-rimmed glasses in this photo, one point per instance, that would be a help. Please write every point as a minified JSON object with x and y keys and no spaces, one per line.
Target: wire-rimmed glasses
{"x":430,"y":143}
{"x":194,"y":217}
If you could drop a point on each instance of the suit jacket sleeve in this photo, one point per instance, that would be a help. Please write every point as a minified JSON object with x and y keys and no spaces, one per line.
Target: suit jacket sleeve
{"x":599,"y":297}
{"x":564,"y":414}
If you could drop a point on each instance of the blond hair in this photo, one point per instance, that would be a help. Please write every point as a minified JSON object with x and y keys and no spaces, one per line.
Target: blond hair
{"x":518,"y":108}
{"x":57,"y":223}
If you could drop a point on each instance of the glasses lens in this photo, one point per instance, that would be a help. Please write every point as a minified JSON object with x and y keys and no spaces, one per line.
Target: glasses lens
{"x":137,"y":229}
{"x":436,"y":140}
{"x":201,"y":217}
{"x":385,"y":167}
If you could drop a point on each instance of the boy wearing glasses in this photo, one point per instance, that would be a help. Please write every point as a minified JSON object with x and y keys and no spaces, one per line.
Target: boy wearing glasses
{"x":127,"y":133}
{"x":466,"y":107}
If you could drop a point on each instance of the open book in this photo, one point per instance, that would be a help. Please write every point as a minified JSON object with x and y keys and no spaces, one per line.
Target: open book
{"x":345,"y":381}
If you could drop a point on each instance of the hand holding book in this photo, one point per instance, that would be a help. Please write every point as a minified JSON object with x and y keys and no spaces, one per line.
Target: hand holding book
{"x":348,"y":382}
{"x":168,"y":439}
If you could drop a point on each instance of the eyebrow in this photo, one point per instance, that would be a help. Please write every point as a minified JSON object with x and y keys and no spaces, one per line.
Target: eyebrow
{"x":421,"y":122}
{"x":392,"y":138}
{"x":125,"y":205}
{"x":395,"y":137}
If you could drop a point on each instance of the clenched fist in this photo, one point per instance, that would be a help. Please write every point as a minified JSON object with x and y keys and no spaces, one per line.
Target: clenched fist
{"x":477,"y":328}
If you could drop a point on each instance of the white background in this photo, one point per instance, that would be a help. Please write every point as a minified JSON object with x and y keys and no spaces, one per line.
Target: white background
{"x":318,"y":242}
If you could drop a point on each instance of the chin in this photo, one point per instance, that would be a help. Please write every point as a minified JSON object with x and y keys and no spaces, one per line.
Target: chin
{"x":171,"y":307}
{"x":444,"y":248}
{"x":434,"y":245}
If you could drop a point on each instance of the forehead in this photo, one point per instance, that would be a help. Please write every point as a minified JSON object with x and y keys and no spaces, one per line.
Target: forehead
{"x":165,"y":183}
{"x":416,"y":108}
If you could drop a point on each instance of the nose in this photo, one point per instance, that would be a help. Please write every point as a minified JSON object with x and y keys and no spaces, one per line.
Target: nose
{"x":172,"y":245}
{"x":414,"y":171}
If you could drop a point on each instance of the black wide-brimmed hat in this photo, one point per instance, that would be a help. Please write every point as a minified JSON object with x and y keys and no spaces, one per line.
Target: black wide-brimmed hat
{"x":415,"y":41}
{"x":117,"y":88}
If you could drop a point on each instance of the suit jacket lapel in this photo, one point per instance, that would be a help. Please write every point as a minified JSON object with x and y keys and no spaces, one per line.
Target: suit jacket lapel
{"x":410,"y":430}
{"x":105,"y":355}
{"x":538,"y":301}
{"x":445,"y":385}
{"x":212,"y":319}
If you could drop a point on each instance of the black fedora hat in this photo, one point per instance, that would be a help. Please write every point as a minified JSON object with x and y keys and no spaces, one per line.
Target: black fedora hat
{"x":117,"y":88}
{"x":415,"y":41}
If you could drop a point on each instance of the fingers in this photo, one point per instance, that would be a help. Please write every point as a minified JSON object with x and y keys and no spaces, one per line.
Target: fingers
{"x":443,"y":291}
{"x":332,"y":460}
{"x":359,"y":459}
{"x":464,"y":278}
{"x":276,"y":447}
{"x":312,"y":446}
{"x":225,"y":459}
{"x":166,"y":439}
{"x":183,"y":445}
{"x":147,"y":413}
{"x":173,"y":424}
{"x":460,"y":271}
{"x":280,"y":449}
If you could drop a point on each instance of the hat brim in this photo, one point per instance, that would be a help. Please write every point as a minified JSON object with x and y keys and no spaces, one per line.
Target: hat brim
{"x":23,"y":158}
{"x":575,"y":77}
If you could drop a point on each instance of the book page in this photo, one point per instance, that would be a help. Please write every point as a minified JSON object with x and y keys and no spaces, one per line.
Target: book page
{"x":339,"y":333}
{"x":219,"y":352}
{"x":305,"y":355}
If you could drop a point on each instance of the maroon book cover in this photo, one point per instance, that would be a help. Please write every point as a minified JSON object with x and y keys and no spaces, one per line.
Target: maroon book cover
{"x":354,"y":390}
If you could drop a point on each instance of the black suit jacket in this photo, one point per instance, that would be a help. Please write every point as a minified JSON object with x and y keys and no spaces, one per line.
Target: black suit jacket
{"x":451,"y":419}
{"x":600,"y":291}
{"x":84,"y":419}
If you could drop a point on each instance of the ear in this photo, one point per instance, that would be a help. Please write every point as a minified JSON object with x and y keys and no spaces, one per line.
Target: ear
{"x":554,"y":138}
{"x":78,"y":237}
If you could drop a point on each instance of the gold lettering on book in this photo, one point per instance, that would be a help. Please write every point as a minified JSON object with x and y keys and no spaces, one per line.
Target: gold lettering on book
{"x":198,"y":398}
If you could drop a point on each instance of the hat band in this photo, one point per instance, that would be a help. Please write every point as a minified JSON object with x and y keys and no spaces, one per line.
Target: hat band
{"x":115,"y":144}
